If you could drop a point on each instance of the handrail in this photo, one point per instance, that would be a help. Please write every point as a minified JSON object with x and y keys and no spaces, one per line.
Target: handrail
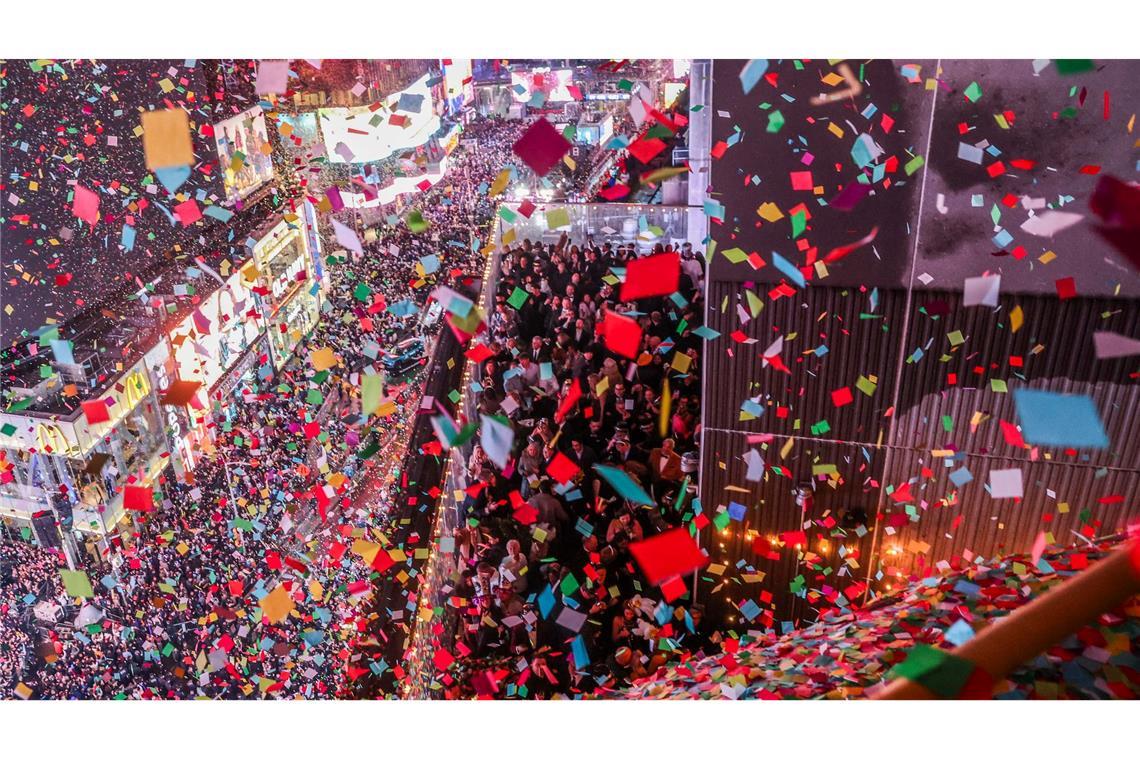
{"x":1032,"y":629}
{"x":437,"y":567}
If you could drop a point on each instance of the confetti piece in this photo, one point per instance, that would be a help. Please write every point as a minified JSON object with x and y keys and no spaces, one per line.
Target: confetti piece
{"x":1055,"y":419}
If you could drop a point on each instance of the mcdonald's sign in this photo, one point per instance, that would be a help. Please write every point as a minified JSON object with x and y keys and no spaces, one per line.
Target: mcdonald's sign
{"x":137,"y":386}
{"x":52,"y":440}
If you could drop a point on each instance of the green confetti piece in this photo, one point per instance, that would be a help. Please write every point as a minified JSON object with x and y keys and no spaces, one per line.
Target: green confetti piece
{"x":799,"y":223}
{"x":941,"y":672}
{"x":518,"y":298}
{"x":569,"y":585}
{"x":775,"y":122}
{"x":1066,"y":66}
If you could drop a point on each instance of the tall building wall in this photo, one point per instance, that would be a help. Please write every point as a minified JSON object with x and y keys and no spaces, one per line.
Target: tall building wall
{"x":940,"y":375}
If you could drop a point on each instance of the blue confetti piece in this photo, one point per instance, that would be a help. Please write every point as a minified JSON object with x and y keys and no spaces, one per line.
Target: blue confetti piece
{"x":1056,"y":419}
{"x":789,"y":269}
{"x":752,"y":72}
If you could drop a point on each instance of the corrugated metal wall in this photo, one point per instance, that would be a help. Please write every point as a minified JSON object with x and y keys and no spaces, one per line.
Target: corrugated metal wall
{"x":891,"y":313}
{"x":940,"y":521}
{"x":773,"y":509}
{"x":1066,"y":362}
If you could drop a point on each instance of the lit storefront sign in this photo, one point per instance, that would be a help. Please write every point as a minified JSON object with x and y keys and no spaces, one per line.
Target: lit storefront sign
{"x":51,"y":440}
{"x":136,"y":387}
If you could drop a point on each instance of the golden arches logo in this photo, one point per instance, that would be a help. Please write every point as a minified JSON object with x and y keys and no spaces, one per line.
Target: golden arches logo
{"x":137,"y":388}
{"x":52,"y":440}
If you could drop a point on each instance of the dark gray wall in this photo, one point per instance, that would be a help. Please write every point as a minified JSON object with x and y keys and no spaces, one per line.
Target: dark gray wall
{"x":889,"y":438}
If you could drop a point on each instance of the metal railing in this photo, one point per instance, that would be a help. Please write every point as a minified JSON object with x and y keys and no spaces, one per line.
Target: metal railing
{"x":442,"y":566}
{"x":1030,"y":630}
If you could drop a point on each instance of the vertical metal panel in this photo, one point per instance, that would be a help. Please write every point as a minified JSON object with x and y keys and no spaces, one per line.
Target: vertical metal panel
{"x":772,"y":510}
{"x":1055,"y":345}
{"x":821,"y":318}
{"x":1066,"y":363}
{"x":987,"y":526}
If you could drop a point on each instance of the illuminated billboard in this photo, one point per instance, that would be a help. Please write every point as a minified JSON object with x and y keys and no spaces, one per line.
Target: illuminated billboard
{"x":214,"y":336}
{"x":281,"y":255}
{"x":458,"y":85}
{"x":244,"y":150}
{"x":555,"y":85}
{"x":403,"y":120}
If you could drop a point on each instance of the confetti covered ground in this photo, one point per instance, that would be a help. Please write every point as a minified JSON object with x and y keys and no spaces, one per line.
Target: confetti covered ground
{"x":848,"y":652}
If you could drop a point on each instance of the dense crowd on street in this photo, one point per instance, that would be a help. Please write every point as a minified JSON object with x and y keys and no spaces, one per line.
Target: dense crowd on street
{"x":175,"y":609}
{"x":177,"y":613}
{"x":26,"y":574}
{"x":538,"y":545}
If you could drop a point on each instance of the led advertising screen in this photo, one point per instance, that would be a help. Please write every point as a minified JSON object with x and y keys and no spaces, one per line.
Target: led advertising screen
{"x":555,"y":85}
{"x":455,"y":72}
{"x":403,"y":120}
{"x":673,"y":91}
{"x":209,"y":342}
{"x":244,"y":150}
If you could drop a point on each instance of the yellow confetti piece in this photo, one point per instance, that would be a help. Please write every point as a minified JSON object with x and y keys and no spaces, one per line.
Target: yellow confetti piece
{"x":500,"y":183}
{"x":770,"y":212}
{"x":835,"y":129}
{"x":1016,"y":319}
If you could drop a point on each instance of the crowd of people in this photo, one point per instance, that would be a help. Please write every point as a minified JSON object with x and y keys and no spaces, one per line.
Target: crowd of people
{"x":26,"y":574}
{"x":538,"y":546}
{"x":175,"y":607}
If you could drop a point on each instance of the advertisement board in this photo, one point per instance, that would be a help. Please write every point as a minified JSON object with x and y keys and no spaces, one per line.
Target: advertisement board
{"x":403,"y":120}
{"x":458,"y":84}
{"x":281,"y":256}
{"x":212,"y":338}
{"x":553,"y":84}
{"x":244,"y":153}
